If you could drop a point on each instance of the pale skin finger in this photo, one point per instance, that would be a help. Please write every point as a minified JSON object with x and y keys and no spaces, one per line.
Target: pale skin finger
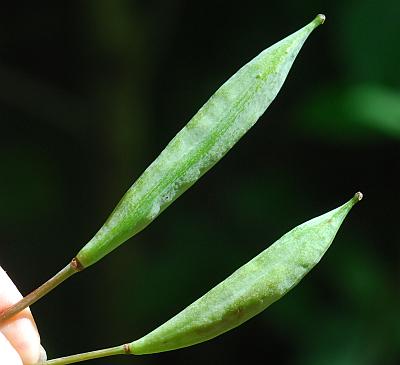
{"x":20,"y":331}
{"x":8,"y":355}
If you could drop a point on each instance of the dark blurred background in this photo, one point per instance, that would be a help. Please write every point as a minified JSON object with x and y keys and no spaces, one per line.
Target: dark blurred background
{"x":91,"y":92}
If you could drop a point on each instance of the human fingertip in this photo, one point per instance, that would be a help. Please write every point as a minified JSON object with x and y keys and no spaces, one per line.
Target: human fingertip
{"x":8,"y":355}
{"x":42,"y":355}
{"x":24,"y":337}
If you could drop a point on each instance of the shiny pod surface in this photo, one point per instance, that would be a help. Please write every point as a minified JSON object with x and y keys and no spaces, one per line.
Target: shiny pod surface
{"x":250,"y":289}
{"x":217,"y":126}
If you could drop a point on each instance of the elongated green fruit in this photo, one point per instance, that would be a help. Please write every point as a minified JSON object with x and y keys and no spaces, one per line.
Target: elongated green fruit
{"x":245,"y":293}
{"x":250,"y":289}
{"x":209,"y":135}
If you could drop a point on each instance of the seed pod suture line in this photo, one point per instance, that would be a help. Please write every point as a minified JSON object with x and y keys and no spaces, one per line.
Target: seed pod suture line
{"x":248,"y":291}
{"x":210,"y":134}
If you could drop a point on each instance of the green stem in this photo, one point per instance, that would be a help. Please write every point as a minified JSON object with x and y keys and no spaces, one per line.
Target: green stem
{"x":118,"y":350}
{"x":72,"y":268}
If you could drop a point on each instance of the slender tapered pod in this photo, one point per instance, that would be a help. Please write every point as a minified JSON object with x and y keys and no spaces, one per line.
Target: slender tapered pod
{"x":210,"y":134}
{"x":248,"y":291}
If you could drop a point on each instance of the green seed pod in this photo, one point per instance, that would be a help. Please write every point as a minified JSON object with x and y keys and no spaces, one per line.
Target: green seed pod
{"x":210,"y":134}
{"x":250,"y":289}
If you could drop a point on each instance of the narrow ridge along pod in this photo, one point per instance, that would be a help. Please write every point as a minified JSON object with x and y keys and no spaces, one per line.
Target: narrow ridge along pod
{"x":247,"y":292}
{"x":250,"y":289}
{"x":210,"y":134}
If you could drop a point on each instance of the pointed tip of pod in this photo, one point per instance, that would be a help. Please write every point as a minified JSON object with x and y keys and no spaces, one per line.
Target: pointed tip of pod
{"x":320,"y":19}
{"x":358,"y":196}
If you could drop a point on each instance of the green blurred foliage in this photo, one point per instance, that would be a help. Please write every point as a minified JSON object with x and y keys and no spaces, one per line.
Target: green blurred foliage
{"x":358,"y":113}
{"x":92,"y":91}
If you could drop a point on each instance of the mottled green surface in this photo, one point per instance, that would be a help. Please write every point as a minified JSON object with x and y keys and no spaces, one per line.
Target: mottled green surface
{"x":210,"y":134}
{"x":250,"y":289}
{"x":91,"y":92}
